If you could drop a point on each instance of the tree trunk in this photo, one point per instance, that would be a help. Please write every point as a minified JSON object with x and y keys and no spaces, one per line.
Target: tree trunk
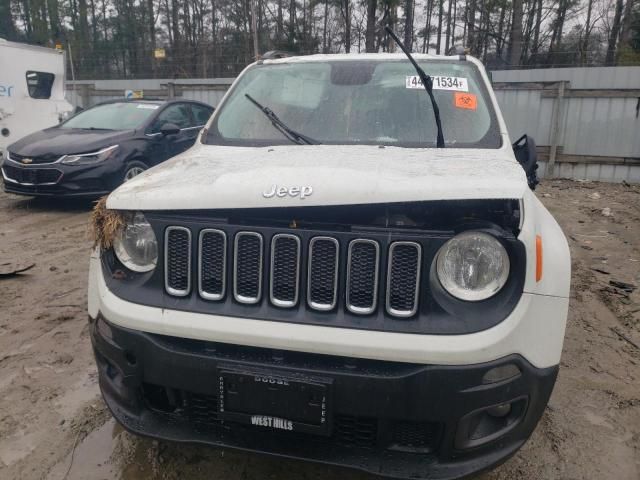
{"x":627,"y":23}
{"x":151,"y":30}
{"x":440,"y":15}
{"x":448,"y":42}
{"x":292,"y":23}
{"x":370,"y":34}
{"x":515,"y":42}
{"x":500,"y":39}
{"x":345,"y":8}
{"x":531,"y":14}
{"x":54,"y":20}
{"x":408,"y":24}
{"x":536,"y":30}
{"x":471,"y":25}
{"x":279,"y":23}
{"x":613,"y":34}
{"x":453,"y":26}
{"x":324,"y":30}
{"x":587,"y":34}
{"x":427,"y":28}
{"x":7,"y":25}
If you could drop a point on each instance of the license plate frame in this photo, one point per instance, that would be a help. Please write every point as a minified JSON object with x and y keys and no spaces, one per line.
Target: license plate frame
{"x":276,"y":400}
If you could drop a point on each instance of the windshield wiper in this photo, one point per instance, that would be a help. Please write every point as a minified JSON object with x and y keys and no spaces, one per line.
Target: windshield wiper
{"x":281,"y":126}
{"x":427,"y":82}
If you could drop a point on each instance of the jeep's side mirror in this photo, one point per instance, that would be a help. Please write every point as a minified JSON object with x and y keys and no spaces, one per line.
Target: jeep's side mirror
{"x":169,"y":129}
{"x":525,"y":151}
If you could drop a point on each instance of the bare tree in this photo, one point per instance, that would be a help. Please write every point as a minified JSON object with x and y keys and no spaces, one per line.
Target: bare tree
{"x":515,"y":42}
{"x":613,"y":34}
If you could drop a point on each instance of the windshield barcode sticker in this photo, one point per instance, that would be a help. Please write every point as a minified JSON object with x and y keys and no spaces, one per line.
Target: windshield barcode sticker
{"x":148,"y":107}
{"x":458,"y":84}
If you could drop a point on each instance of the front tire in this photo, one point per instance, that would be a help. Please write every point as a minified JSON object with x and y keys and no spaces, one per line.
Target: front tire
{"x":132,"y":170}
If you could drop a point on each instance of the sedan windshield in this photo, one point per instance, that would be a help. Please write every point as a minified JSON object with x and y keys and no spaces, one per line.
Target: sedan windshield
{"x":112,"y":116}
{"x":359,"y":102}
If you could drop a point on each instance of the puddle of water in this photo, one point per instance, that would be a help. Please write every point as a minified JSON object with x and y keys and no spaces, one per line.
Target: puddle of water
{"x":106,"y":454}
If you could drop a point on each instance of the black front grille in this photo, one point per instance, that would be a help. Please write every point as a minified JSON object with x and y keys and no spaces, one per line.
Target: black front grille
{"x":213,"y":264}
{"x":285,"y":270}
{"x":248,"y":267}
{"x":202,"y":411}
{"x":323,"y":273}
{"x":178,"y":261}
{"x":416,"y":436}
{"x":355,"y":431}
{"x":32,"y":176}
{"x":362,"y":281}
{"x":403,"y":278}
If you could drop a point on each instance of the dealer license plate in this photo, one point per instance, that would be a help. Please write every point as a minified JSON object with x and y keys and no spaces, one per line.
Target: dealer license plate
{"x":275,"y":400}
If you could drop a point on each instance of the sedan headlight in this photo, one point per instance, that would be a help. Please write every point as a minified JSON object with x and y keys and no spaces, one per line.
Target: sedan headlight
{"x":473,"y":266}
{"x":136,"y":246}
{"x":90,"y":158}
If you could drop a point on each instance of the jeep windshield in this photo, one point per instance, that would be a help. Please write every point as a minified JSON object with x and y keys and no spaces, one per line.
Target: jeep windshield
{"x":371,"y":102}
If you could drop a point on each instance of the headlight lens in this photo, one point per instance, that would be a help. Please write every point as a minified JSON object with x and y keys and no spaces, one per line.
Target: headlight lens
{"x":136,"y":246}
{"x":90,"y":158}
{"x":473,"y":266}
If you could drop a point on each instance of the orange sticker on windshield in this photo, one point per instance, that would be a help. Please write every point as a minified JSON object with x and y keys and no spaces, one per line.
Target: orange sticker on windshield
{"x":465,"y":100}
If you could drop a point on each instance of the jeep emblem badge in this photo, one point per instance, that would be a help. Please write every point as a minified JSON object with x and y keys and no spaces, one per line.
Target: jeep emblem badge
{"x":276,"y":191}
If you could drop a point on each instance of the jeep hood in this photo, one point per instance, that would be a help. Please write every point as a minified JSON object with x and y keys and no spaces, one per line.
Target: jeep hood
{"x":212,"y":177}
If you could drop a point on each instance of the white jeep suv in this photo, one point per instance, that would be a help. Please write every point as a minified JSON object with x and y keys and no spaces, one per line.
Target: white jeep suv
{"x":348,"y":267}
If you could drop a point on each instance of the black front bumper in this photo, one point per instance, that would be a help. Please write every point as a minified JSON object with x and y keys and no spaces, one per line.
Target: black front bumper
{"x":392,"y":419}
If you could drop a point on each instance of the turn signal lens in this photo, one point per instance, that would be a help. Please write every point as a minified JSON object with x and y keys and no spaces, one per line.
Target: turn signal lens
{"x":538,"y":258}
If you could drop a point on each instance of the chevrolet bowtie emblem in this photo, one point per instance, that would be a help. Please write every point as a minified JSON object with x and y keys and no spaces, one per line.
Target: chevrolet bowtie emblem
{"x":27,"y":160}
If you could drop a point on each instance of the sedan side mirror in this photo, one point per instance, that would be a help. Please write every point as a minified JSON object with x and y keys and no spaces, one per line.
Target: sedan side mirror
{"x":169,"y":129}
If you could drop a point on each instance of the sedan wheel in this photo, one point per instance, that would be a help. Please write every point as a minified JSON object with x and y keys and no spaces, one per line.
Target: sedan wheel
{"x":132,"y":172}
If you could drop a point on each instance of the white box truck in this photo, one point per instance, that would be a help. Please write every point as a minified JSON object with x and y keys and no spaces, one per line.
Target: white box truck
{"x":31,"y":90}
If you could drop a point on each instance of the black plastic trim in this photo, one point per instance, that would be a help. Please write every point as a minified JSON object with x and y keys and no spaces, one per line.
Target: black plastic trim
{"x":389,"y":392}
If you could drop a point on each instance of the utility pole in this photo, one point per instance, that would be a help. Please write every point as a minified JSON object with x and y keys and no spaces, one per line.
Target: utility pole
{"x":254,"y":30}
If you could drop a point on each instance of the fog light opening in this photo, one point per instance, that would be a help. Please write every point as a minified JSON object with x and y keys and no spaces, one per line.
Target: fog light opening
{"x":130,"y":358}
{"x":500,"y":411}
{"x":489,"y":423}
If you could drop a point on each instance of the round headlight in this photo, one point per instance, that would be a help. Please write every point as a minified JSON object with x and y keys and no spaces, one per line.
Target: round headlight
{"x":473,"y":266}
{"x":136,"y":246}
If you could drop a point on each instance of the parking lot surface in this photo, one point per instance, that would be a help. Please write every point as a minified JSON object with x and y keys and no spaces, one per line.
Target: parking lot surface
{"x":53,"y":424}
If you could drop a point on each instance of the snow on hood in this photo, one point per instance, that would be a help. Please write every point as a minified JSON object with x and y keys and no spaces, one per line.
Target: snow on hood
{"x":211,"y":177}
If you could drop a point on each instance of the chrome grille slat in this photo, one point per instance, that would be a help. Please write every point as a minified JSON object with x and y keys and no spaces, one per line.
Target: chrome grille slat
{"x":212,"y":264}
{"x":403,"y":278}
{"x":322,"y":273}
{"x":177,"y":261}
{"x":247,"y":267}
{"x":362,"y":276}
{"x":284,"y":281}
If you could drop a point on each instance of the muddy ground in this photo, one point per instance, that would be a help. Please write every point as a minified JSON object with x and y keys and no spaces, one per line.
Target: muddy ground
{"x":53,"y":424}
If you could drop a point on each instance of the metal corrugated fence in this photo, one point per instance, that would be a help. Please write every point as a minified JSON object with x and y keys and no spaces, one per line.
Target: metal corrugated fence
{"x":584,"y":120}
{"x":86,"y":93}
{"x":589,"y":115}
